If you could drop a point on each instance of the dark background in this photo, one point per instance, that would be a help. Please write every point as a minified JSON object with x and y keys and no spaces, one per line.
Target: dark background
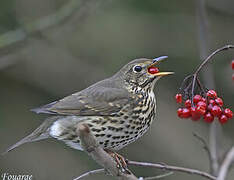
{"x":45,"y":62}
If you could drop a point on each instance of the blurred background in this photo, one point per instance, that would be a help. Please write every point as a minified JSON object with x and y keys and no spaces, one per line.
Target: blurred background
{"x":52,"y":48}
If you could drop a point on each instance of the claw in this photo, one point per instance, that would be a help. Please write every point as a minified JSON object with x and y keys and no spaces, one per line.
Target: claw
{"x":120,"y":160}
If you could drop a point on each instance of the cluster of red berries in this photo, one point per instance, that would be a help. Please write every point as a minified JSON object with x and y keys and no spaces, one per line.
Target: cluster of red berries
{"x":233,"y":69}
{"x":209,"y":107}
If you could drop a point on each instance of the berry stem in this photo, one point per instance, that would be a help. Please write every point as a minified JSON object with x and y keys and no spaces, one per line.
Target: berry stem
{"x":195,"y":74}
{"x":193,"y":86}
{"x":226,"y":47}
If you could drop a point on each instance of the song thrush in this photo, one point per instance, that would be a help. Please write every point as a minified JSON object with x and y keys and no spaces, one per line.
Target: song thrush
{"x":118,"y":110}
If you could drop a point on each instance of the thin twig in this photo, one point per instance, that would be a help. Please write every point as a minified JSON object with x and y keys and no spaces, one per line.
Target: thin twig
{"x":226,"y":47}
{"x":228,"y":160}
{"x":205,"y":146}
{"x":89,"y":173}
{"x":173,"y":168}
{"x":193,"y":87}
{"x":159,"y":176}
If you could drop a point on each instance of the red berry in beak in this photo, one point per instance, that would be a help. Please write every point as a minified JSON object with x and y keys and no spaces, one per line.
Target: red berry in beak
{"x":233,"y":64}
{"x":153,"y":70}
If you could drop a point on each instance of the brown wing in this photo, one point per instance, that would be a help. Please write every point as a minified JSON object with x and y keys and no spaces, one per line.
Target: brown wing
{"x":93,"y":101}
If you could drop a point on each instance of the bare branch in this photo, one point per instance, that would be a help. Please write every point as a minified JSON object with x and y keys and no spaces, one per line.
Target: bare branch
{"x":205,"y":146}
{"x":89,"y":173}
{"x":228,"y":161}
{"x":172,"y":168}
{"x":91,"y":146}
{"x":159,"y":176}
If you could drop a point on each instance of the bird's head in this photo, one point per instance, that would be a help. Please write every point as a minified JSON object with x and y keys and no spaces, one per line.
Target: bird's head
{"x":142,"y":72}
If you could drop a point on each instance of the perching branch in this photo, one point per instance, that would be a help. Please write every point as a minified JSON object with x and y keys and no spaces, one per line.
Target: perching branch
{"x":172,"y":168}
{"x":99,"y":171}
{"x":157,"y":177}
{"x":91,"y":146}
{"x":228,"y":161}
{"x":89,"y":173}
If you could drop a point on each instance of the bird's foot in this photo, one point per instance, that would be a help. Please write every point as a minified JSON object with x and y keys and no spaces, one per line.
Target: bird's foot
{"x":120,"y":160}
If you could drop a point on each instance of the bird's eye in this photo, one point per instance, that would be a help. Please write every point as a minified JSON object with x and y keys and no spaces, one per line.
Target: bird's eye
{"x":137,"y":68}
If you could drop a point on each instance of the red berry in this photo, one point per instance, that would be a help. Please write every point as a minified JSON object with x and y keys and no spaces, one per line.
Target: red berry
{"x":180,"y":112}
{"x":216,"y":111}
{"x":178,"y":98}
{"x":212,"y":94}
{"x":203,"y":99}
{"x":201,"y":110}
{"x":186,"y":113}
{"x":219,"y":101}
{"x":197,"y":98}
{"x":187,"y":103}
{"x":212,"y":101}
{"x":228,"y":113}
{"x":153,"y":70}
{"x":232,"y":64}
{"x":201,"y":103}
{"x":209,"y":107}
{"x":223,"y":119}
{"x":194,"y":115}
{"x":208,"y":117}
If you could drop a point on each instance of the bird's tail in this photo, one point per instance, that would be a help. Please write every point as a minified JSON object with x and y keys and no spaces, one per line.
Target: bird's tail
{"x":42,"y":132}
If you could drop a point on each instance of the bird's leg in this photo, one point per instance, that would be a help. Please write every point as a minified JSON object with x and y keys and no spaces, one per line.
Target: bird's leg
{"x":119,"y":159}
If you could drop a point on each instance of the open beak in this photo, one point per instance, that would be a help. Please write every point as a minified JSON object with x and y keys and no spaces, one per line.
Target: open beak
{"x":163,"y":73}
{"x":157,"y":60}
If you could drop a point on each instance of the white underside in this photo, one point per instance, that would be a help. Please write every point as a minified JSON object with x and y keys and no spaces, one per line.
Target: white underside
{"x":58,"y":127}
{"x":74,"y":145}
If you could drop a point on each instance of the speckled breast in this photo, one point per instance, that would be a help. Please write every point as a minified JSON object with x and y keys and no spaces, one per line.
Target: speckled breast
{"x":127,"y":126}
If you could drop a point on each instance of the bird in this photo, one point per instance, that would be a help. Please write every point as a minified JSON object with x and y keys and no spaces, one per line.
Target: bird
{"x":118,"y":110}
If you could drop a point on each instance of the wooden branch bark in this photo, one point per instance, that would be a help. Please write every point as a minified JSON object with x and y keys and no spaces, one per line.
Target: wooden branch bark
{"x":91,"y":146}
{"x":173,"y":168}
